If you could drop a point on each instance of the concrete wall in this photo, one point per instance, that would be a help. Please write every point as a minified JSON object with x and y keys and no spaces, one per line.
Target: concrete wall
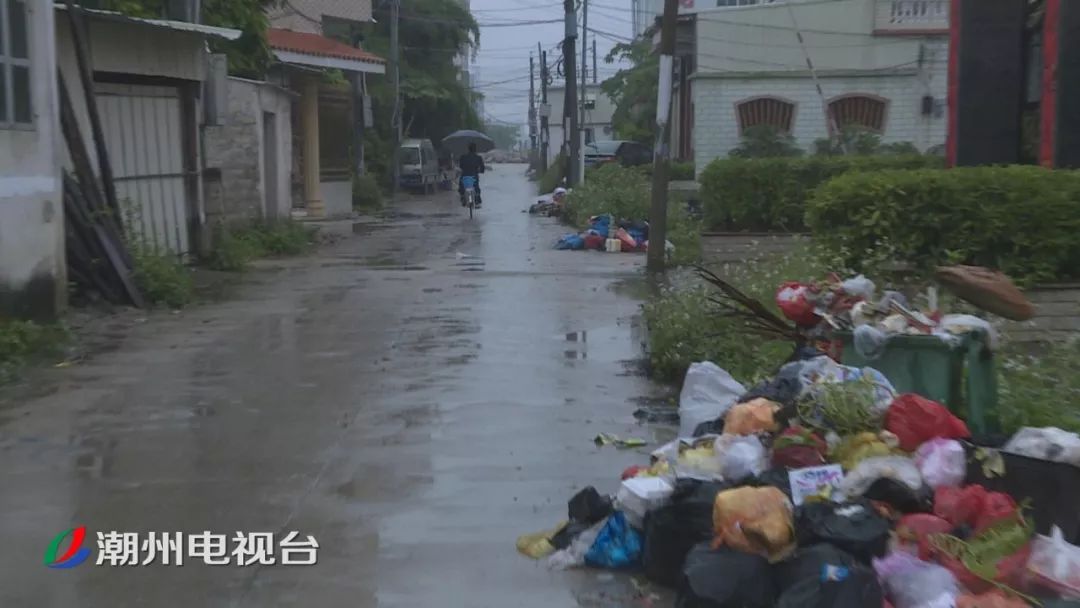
{"x":597,"y":119}
{"x":236,"y":152}
{"x":33,"y":281}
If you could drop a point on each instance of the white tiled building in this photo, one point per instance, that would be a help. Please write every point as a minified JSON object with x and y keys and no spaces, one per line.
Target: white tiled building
{"x":881,"y":64}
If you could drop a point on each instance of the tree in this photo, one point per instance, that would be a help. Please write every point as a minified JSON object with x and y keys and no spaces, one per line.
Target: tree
{"x":634,"y":91}
{"x":505,"y":136}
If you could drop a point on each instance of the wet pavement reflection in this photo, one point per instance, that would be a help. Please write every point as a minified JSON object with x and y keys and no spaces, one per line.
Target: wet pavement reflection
{"x":414,"y":396}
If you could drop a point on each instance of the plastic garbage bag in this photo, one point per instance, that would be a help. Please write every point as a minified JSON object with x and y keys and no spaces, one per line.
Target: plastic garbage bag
{"x":571,"y":241}
{"x":990,"y":599}
{"x":916,"y":420}
{"x":823,"y":576}
{"x":913,"y":532}
{"x":588,"y":506}
{"x":798,"y":448}
{"x":757,"y":416}
{"x":793,"y":300}
{"x":782,"y":389}
{"x":942,"y":462}
{"x":1050,"y":443}
{"x":854,"y":449}
{"x":912,"y":583}
{"x":601,"y":224}
{"x":870,"y":341}
{"x":952,"y":326}
{"x":540,"y":544}
{"x":574,"y":555}
{"x":638,"y":496}
{"x":779,"y":478}
{"x":740,"y":457}
{"x":897,"y":468}
{"x":854,"y":527}
{"x":629,"y":244}
{"x":1055,"y":565}
{"x":754,"y":520}
{"x":724,"y":578}
{"x":819,"y":370}
{"x":616,"y":546}
{"x":707,"y":394}
{"x":672,"y":530}
{"x":975,"y":507}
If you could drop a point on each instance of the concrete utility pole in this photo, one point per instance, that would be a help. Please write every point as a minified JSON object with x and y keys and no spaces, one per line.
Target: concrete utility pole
{"x":545,"y":133}
{"x":595,"y":70}
{"x":584,"y":74}
{"x":395,"y":66}
{"x":662,"y":154}
{"x":570,"y":106}
{"x":532,"y":104}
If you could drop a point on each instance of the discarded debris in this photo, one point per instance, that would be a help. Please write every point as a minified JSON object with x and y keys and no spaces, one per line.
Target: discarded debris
{"x":605,"y":439}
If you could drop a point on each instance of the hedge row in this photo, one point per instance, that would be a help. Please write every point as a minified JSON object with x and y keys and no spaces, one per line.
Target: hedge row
{"x":1023,"y":220}
{"x":770,"y":194}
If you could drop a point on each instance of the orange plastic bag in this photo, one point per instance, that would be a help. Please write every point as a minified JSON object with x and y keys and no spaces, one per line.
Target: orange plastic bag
{"x":757,"y":416}
{"x":629,"y":244}
{"x":755,"y":520}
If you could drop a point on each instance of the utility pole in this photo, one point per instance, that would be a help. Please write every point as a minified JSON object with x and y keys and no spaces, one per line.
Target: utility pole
{"x":395,"y":65}
{"x":545,"y":134}
{"x":662,"y":154}
{"x":570,"y":106}
{"x":532,"y":106}
{"x":584,"y":71}
{"x":595,"y":71}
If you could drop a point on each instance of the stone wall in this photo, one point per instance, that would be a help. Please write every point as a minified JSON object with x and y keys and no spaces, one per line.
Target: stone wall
{"x":235,"y":159}
{"x":1058,"y":306}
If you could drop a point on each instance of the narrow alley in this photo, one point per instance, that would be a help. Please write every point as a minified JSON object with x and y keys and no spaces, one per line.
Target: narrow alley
{"x":414,"y":396}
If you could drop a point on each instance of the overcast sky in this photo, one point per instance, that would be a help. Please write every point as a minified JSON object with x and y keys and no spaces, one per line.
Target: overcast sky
{"x":502,"y":65}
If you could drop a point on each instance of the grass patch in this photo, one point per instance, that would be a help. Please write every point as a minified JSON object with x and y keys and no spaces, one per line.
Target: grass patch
{"x":685,"y":329}
{"x":366,"y":193}
{"x":236,"y":247}
{"x":162,"y":278}
{"x":1040,"y":389}
{"x":23,"y":342}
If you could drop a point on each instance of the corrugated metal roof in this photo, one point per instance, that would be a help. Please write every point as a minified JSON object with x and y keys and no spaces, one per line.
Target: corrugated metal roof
{"x":180,"y":26}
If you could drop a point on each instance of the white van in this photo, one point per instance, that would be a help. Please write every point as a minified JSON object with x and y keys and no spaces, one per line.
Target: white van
{"x":419,"y":165}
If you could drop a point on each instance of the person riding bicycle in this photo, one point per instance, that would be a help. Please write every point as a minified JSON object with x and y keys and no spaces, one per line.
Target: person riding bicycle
{"x":472,"y":165}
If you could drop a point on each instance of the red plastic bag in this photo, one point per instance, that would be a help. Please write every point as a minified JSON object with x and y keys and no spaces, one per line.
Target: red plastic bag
{"x":1010,"y":571}
{"x":594,"y":241}
{"x":791,"y":298}
{"x":916,"y":420}
{"x":798,"y":448}
{"x":628,"y":241}
{"x":996,"y":507}
{"x":959,"y":506}
{"x":916,"y":528}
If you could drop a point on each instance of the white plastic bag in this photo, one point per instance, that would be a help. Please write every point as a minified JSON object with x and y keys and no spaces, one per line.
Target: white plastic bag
{"x":859,"y":286}
{"x":918,"y":584}
{"x":820,"y":370}
{"x":708,"y":392}
{"x":639,"y":495}
{"x":1055,"y":564}
{"x":897,"y":468}
{"x":942,"y":462}
{"x":1050,"y":443}
{"x":574,"y":555}
{"x":740,"y":456}
{"x":953,"y":325}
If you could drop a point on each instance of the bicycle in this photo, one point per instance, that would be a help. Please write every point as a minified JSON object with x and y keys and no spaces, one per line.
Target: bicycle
{"x":469,"y":185}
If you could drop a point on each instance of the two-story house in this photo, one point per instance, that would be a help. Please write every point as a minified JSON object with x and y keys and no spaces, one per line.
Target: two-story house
{"x":808,"y":66}
{"x":316,"y":43}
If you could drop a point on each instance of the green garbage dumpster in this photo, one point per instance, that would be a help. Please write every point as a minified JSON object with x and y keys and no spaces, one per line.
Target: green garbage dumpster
{"x":959,"y":374}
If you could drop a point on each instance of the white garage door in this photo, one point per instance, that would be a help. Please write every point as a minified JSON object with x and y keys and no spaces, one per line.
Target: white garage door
{"x":142,"y":126}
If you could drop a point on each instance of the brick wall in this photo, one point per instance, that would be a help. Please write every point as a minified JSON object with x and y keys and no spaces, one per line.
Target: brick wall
{"x":716,"y":128}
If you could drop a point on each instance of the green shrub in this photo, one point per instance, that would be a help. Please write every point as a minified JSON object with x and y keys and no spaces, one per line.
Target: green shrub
{"x":235,"y":248}
{"x":682,"y":172}
{"x":163,"y":279}
{"x":282,"y":237}
{"x":1024,"y":221}
{"x":684,"y":328}
{"x":554,"y":176}
{"x":626,"y":194}
{"x":764,"y":141}
{"x":770,"y":194}
{"x":24,"y":341}
{"x":366,"y":193}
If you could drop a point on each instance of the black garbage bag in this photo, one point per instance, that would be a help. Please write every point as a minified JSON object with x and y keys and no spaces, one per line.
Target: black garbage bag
{"x":855,"y":527}
{"x":781,"y":389}
{"x":589,"y":507}
{"x":775,"y":477}
{"x":563,"y":538}
{"x":725,"y":578}
{"x":900,"y":496}
{"x":712,"y":427}
{"x":672,"y":530}
{"x":824,"y":576}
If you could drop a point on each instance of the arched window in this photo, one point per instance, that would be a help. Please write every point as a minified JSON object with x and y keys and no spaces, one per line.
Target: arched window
{"x":766,"y":111}
{"x":863,"y":111}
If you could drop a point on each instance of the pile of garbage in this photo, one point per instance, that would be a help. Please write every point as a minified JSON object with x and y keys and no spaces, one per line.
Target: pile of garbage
{"x":550,"y":205}
{"x":607,"y":234}
{"x":820,"y":487}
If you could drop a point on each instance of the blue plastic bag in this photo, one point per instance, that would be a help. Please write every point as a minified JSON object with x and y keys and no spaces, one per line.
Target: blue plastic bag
{"x":571,"y":241}
{"x":617,"y":546}
{"x":601,"y":224}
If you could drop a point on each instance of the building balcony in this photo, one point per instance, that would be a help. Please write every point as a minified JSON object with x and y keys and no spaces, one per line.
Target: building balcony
{"x":898,"y":17}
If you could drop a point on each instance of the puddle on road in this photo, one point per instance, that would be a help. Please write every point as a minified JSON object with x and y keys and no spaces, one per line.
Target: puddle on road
{"x":615,"y":343}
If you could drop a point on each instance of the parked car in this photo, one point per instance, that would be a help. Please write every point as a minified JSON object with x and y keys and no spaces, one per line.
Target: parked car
{"x":419,"y":165}
{"x":626,"y":153}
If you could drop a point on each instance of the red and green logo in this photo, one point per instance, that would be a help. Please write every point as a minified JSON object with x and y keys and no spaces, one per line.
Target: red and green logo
{"x":75,"y":554}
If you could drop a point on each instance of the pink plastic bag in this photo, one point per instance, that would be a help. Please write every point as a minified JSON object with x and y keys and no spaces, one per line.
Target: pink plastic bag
{"x":942,"y":462}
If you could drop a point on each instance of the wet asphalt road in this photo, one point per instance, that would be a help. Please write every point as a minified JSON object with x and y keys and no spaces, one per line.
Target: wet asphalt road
{"x":414,"y":396}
